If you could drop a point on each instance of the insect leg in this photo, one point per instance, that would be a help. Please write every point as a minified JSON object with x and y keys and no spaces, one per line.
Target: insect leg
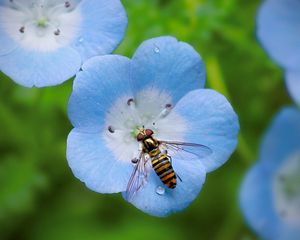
{"x":170,"y":159}
{"x":178,"y":177}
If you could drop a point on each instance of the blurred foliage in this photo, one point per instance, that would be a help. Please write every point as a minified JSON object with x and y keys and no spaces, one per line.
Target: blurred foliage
{"x":41,"y":199}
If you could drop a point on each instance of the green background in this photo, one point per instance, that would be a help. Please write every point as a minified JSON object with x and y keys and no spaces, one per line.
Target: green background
{"x":41,"y":199}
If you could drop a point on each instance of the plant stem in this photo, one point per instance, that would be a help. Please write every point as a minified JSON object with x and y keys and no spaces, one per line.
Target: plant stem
{"x":216,"y":81}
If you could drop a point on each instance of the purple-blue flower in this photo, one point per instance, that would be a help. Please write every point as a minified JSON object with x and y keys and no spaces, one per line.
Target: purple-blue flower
{"x":43,"y":42}
{"x":270,"y":193}
{"x":160,"y":89}
{"x":278,"y":25}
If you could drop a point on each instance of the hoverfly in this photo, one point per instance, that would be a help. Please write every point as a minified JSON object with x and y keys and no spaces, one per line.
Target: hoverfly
{"x":158,"y":151}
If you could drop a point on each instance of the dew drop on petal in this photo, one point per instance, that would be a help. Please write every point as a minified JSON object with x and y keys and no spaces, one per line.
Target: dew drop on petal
{"x":160,"y":190}
{"x":79,"y":41}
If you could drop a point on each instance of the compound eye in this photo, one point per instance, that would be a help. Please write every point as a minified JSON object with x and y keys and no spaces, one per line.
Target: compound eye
{"x":140,"y":137}
{"x":149,"y":132}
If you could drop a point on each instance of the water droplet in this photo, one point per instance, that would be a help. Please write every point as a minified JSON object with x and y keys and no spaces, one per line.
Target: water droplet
{"x":160,"y":190}
{"x":156,"y":49}
{"x":79,"y":40}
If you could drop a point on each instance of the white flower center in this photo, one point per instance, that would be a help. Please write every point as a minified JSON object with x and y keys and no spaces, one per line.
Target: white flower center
{"x":150,"y":109}
{"x":41,"y":25}
{"x":287,"y":190}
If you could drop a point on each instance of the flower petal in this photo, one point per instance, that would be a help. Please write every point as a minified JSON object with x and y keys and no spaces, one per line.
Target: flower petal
{"x":103,"y":27}
{"x":212,"y":122}
{"x":11,"y":3}
{"x":293,"y":85}
{"x":256,"y":202}
{"x":257,"y":196}
{"x":282,"y":138}
{"x":7,"y":43}
{"x":280,"y":20}
{"x":31,"y":68}
{"x":101,"y":81}
{"x":166,"y":64}
{"x":148,"y":200}
{"x":94,"y":164}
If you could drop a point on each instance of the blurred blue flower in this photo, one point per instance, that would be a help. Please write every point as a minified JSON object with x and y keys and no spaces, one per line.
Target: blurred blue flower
{"x":293,"y":84}
{"x":270,"y":193}
{"x":159,"y":89}
{"x":43,"y":42}
{"x":278,"y":25}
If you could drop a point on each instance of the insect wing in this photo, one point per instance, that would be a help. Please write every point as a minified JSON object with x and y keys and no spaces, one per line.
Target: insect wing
{"x":137,"y":177}
{"x":186,"y":150}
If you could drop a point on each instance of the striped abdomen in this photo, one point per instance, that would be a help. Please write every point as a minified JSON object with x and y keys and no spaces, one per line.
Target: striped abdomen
{"x":163,"y":168}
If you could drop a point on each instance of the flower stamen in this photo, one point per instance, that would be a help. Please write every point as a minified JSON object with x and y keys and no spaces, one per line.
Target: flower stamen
{"x":134,"y":160}
{"x":57,"y":32}
{"x":111,"y":129}
{"x":165,"y":112}
{"x":67,"y":4}
{"x":168,"y":105}
{"x":130,"y":101}
{"x":22,"y":29}
{"x":286,"y":189}
{"x":41,"y":22}
{"x":130,"y":115}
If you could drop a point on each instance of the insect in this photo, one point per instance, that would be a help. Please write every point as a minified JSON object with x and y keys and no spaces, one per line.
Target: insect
{"x":158,"y":151}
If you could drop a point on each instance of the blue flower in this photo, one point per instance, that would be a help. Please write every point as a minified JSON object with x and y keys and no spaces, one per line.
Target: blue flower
{"x":278,"y":25}
{"x":270,"y":193}
{"x":43,"y":42}
{"x":293,"y":84}
{"x":159,"y":89}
